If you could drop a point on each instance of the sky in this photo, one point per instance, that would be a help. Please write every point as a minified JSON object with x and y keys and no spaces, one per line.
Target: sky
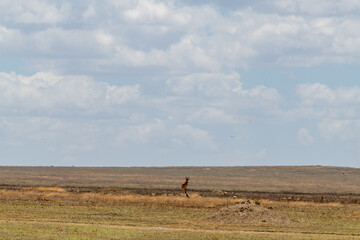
{"x":179,"y":83}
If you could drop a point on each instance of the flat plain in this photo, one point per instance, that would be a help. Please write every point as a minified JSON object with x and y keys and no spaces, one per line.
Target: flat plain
{"x":302,"y":202}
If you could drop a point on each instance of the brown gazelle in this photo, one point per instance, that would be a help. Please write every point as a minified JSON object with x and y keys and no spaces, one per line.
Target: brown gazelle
{"x":184,"y":185}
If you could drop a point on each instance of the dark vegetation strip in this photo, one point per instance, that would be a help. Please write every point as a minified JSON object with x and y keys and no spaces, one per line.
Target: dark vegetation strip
{"x":255,"y":195}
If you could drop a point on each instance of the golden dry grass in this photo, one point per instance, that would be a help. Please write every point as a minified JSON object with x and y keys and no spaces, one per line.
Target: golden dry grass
{"x":195,"y":200}
{"x":266,"y":202}
{"x":44,"y":189}
{"x":53,"y":194}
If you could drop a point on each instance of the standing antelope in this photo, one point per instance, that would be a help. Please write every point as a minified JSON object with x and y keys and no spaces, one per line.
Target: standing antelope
{"x":184,"y":186}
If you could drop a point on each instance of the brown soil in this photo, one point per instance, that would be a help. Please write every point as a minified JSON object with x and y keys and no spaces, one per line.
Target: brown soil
{"x":249,"y":212}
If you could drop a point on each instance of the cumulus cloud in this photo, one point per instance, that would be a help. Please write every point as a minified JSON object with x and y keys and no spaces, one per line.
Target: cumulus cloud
{"x":147,"y":11}
{"x":204,"y":98}
{"x":335,"y":109}
{"x":185,"y":55}
{"x":34,"y":12}
{"x":219,"y":97}
{"x":179,"y":64}
{"x":192,"y":137}
{"x":207,"y":84}
{"x":315,"y":94}
{"x":53,"y":93}
{"x":104,"y":38}
{"x":211,"y":116}
{"x":162,"y":135}
{"x":321,"y":94}
{"x":178,"y":37}
{"x":62,"y":135}
{"x":320,"y":101}
{"x":140,"y":134}
{"x":89,"y":12}
{"x":322,"y":7}
{"x":343,"y":130}
{"x":219,"y":85}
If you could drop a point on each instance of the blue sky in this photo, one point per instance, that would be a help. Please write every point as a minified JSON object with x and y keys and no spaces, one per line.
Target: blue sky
{"x":163,"y":83}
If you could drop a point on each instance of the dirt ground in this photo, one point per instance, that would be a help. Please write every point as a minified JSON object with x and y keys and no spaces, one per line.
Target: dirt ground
{"x":250,"y":212}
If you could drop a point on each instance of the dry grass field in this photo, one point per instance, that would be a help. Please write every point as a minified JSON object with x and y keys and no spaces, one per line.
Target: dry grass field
{"x":146,"y":203}
{"x":306,"y":179}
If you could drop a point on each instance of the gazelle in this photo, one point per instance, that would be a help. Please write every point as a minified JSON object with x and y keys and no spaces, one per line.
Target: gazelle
{"x":184,"y":186}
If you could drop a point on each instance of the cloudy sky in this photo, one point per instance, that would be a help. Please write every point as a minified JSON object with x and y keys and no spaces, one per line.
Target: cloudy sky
{"x":159,"y":83}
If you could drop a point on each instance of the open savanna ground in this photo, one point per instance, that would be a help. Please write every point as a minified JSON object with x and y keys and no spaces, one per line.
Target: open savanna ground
{"x":305,"y":179}
{"x":146,"y":203}
{"x":54,"y":213}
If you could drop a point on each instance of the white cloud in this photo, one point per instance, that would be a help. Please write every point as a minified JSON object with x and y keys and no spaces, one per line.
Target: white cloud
{"x":191,"y":137}
{"x":104,"y":38}
{"x":181,"y":56}
{"x":261,"y":92}
{"x":219,"y":85}
{"x":147,"y":11}
{"x":140,"y":134}
{"x":223,"y":90}
{"x":179,"y":62}
{"x":317,"y":93}
{"x":57,"y":42}
{"x":34,"y":11}
{"x":53,"y":93}
{"x":320,"y":94}
{"x":248,"y":38}
{"x":322,"y":7}
{"x":304,"y":138}
{"x":214,"y":98}
{"x":61,"y":135}
{"x":199,"y":98}
{"x":343,"y":130}
{"x":211,"y":116}
{"x":89,"y":12}
{"x":319,"y":101}
{"x":181,"y":38}
{"x":9,"y":38}
{"x":157,"y":12}
{"x":164,"y":136}
{"x":137,"y":58}
{"x":207,"y":84}
{"x":336,"y":109}
{"x":54,"y":43}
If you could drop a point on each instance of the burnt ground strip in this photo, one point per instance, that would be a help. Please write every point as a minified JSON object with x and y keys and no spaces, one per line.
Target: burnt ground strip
{"x":275,"y":196}
{"x":254,"y":195}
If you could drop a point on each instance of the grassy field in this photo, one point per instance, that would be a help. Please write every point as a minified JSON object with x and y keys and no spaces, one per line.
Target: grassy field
{"x":42,"y":203}
{"x":308,"y":179}
{"x":53,"y":213}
